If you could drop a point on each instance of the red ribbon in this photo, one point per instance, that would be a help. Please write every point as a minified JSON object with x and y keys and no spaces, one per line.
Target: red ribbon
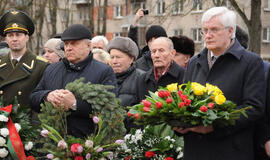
{"x":14,"y":135}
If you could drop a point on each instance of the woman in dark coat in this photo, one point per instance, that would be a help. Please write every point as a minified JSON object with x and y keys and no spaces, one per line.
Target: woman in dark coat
{"x":123,"y":52}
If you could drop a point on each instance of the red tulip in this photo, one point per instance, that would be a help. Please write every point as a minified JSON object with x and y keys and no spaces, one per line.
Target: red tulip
{"x":187,"y":102}
{"x":159,"y":105}
{"x":161,"y":94}
{"x":211,"y":105}
{"x":146,"y":103}
{"x":30,"y":158}
{"x":137,"y":116}
{"x":203,"y":108}
{"x":183,"y":97}
{"x":149,"y":154}
{"x":128,"y":158}
{"x":169,"y":100}
{"x":179,"y":93}
{"x":167,"y":93}
{"x":146,"y":109}
{"x":78,"y":158}
{"x":181,"y":104}
{"x":129,"y":114}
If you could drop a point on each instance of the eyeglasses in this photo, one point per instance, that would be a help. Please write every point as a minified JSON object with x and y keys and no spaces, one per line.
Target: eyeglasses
{"x":212,"y":30}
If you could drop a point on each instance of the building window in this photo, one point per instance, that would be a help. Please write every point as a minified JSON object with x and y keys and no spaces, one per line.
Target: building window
{"x":266,"y":34}
{"x":118,"y":11}
{"x":84,"y":13}
{"x":101,"y":13}
{"x":177,"y":32}
{"x":117,"y":34}
{"x":124,"y":31}
{"x":267,"y":5}
{"x":64,"y":15}
{"x":141,"y":36}
{"x":137,"y":5}
{"x":196,"y":35}
{"x":178,"y":6}
{"x":196,"y":5}
{"x":160,"y":7}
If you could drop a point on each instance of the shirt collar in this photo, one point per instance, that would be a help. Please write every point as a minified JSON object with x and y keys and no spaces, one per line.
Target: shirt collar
{"x":18,"y":59}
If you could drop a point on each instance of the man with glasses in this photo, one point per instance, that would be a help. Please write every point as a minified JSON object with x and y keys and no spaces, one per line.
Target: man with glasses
{"x":240,"y":75}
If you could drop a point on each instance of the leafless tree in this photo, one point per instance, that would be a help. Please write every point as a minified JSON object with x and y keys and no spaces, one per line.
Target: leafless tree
{"x":53,"y":7}
{"x":254,"y":24}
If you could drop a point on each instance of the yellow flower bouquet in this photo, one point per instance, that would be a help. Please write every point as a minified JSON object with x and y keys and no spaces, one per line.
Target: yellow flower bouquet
{"x":186,"y":105}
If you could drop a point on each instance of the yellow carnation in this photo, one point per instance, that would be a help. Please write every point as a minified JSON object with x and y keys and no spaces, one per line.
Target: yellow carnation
{"x":220,"y":99}
{"x":199,"y":90}
{"x":195,"y":84}
{"x":213,"y":89}
{"x":172,"y":87}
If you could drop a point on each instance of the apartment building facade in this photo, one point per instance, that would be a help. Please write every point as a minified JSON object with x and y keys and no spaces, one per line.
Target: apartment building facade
{"x":176,"y":16}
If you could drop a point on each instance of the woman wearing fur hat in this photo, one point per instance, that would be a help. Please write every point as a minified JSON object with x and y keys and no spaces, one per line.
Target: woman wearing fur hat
{"x":53,"y":52}
{"x":123,"y":52}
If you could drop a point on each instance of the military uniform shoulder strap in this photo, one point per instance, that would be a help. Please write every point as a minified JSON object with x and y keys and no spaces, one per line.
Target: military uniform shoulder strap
{"x":42,"y":59}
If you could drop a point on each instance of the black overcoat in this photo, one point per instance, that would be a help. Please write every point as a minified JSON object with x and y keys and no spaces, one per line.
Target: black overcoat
{"x":240,"y":75}
{"x":57,"y":75}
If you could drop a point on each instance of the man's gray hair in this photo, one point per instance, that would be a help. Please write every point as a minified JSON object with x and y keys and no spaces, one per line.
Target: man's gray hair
{"x":167,"y":40}
{"x":226,"y":16}
{"x":99,"y":38}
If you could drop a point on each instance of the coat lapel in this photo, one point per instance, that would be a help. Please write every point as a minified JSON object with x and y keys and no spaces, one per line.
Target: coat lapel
{"x":21,"y":71}
{"x":202,"y":61}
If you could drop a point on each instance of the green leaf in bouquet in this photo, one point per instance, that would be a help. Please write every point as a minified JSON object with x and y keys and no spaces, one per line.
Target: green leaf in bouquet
{"x":212,"y":116}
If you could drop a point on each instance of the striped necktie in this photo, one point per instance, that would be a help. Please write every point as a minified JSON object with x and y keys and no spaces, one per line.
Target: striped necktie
{"x":14,"y":62}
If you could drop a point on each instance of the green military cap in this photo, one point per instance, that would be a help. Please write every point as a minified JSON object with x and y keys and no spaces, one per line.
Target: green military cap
{"x":16,"y":21}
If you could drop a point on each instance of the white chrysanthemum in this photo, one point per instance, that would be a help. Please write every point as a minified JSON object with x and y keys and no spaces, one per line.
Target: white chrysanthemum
{"x":127,"y":137}
{"x":28,"y":146}
{"x":180,"y":155}
{"x":3,"y":118}
{"x":18,"y":127}
{"x":4,"y":132}
{"x":138,"y":132}
{"x":178,"y":149}
{"x":89,"y":144}
{"x":167,"y":138}
{"x":3,"y":152}
{"x":171,"y":145}
{"x":2,"y":141}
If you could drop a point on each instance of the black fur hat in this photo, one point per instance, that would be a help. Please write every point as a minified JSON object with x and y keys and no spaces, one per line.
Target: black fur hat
{"x":183,"y":44}
{"x":155,"y":31}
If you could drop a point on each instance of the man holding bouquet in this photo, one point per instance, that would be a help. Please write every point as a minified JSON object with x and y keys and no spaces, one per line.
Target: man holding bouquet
{"x":240,"y":75}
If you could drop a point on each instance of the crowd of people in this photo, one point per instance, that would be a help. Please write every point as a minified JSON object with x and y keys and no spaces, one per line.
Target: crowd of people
{"x":224,"y":61}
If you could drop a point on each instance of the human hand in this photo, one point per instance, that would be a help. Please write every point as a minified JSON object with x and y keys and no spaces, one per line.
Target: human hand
{"x":139,"y":14}
{"x":55,"y":98}
{"x":67,"y":99}
{"x":202,"y":129}
{"x":267,"y":148}
{"x":181,"y":130}
{"x":197,"y":129}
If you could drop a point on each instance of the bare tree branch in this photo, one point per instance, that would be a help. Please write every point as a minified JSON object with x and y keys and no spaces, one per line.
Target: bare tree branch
{"x":240,"y":12}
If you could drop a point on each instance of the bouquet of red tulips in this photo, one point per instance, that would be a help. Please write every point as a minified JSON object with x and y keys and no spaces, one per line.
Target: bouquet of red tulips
{"x":186,"y":105}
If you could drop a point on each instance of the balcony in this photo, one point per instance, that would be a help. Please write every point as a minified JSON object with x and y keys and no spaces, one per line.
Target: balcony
{"x":81,"y":1}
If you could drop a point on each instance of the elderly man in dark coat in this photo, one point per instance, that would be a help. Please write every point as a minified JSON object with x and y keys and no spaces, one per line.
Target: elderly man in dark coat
{"x":78,"y":63}
{"x":164,"y":71}
{"x":240,"y":75}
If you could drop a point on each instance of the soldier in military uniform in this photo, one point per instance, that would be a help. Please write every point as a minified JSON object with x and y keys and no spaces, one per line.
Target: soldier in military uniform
{"x":20,"y":70}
